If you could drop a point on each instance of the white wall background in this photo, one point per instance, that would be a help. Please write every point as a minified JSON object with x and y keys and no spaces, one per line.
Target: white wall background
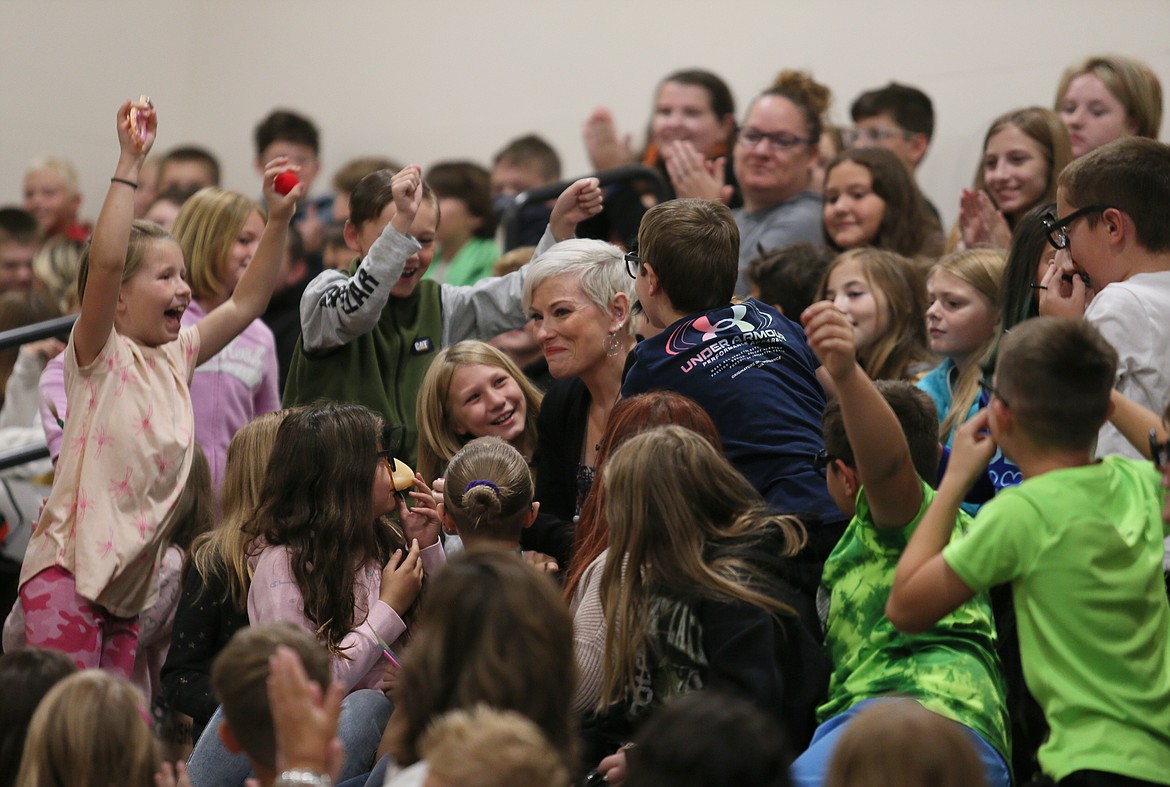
{"x":437,"y":79}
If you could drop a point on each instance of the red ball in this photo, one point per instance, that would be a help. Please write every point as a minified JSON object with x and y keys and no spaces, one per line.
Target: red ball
{"x":286,"y":182}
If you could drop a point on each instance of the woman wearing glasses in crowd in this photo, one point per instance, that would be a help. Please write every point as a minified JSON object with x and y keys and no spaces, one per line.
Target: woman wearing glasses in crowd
{"x":774,"y":152}
{"x":1023,"y":153}
{"x":578,"y":293}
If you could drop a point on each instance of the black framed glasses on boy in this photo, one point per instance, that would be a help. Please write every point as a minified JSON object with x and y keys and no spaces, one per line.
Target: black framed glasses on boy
{"x":1058,"y":228}
{"x":821,"y":461}
{"x":633,"y":263}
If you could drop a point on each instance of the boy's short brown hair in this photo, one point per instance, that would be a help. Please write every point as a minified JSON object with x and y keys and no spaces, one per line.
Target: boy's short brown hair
{"x":18,"y":226}
{"x":372,"y":194}
{"x":693,"y":246}
{"x":1055,"y":374}
{"x":239,"y":676}
{"x":1131,"y":174}
{"x":916,"y":414}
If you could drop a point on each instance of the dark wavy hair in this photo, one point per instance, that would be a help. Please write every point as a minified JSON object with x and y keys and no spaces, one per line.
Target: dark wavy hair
{"x":316,"y":502}
{"x":905,"y":222}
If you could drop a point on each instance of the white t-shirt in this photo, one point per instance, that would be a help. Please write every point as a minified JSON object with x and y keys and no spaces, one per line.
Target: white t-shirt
{"x":1134,"y":316}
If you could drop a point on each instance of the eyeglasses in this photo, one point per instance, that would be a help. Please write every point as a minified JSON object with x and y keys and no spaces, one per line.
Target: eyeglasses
{"x":875,"y":135}
{"x":780,"y":140}
{"x":633,"y":263}
{"x":990,"y":391}
{"x":821,"y":461}
{"x":1159,"y":452}
{"x":1058,"y":228}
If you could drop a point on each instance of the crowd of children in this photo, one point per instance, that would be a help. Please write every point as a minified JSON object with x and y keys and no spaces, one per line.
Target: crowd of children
{"x":899,"y":516}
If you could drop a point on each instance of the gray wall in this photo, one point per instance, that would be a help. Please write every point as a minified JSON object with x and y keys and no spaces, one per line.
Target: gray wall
{"x":437,"y":79}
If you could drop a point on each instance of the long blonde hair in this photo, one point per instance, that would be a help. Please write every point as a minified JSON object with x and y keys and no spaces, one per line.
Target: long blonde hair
{"x":225,"y":548}
{"x":207,"y":227}
{"x":437,"y":440}
{"x":683,"y":519}
{"x":983,"y":270}
{"x":90,"y":730}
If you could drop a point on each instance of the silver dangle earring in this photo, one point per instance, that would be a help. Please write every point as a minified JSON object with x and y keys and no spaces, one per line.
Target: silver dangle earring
{"x":612,"y":344}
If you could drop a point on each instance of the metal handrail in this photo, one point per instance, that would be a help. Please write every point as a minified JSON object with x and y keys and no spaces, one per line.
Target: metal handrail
{"x":58,"y":326}
{"x":629,"y":173}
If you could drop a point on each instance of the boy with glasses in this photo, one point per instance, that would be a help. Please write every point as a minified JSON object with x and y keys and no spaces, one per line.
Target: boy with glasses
{"x":1081,"y":544}
{"x":899,"y":118}
{"x":1113,"y":237}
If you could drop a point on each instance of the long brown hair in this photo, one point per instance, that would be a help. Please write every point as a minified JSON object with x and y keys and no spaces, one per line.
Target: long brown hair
{"x":316,"y":502}
{"x":681,"y":520}
{"x":905,"y":224}
{"x":629,"y":417}
{"x":494,"y":632}
{"x":904,"y":342}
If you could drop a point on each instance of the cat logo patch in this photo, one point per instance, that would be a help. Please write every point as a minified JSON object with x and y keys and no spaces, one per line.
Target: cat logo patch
{"x":422,"y":346}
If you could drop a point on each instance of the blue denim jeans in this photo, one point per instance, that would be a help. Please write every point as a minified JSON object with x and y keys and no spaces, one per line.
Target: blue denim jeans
{"x":364,"y":714}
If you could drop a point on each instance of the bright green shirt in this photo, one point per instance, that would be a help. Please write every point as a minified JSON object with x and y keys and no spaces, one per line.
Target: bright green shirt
{"x":472,"y":262}
{"x":1082,"y":548}
{"x":951,"y":669}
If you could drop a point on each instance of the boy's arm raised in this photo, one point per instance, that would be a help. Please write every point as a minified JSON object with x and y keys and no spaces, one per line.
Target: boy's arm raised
{"x":926,"y":588}
{"x":111,"y":236}
{"x":254,"y":290}
{"x":880,"y":451}
{"x":335,"y":308}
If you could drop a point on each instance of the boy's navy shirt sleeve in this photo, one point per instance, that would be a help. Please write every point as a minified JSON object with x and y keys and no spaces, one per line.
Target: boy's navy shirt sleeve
{"x":751,"y":369}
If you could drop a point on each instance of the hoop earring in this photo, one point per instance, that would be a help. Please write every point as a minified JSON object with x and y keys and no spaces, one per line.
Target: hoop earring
{"x":612,"y":344}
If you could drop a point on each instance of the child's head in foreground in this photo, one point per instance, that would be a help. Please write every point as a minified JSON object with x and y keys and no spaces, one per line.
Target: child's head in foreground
{"x":1053,"y":380}
{"x":896,"y":742}
{"x":706,"y":739}
{"x":239,"y":677}
{"x":371,"y":208}
{"x":91,"y":730}
{"x":491,"y":631}
{"x":692,"y":245}
{"x":483,"y":747}
{"x":25,"y":678}
{"x":488,"y":493}
{"x":916,"y":415}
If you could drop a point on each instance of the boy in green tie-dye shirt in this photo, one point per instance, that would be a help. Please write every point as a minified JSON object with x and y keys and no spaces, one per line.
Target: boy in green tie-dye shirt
{"x":879,"y":445}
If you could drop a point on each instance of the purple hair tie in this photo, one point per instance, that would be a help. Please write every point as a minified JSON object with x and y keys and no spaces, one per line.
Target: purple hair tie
{"x":481,"y":482}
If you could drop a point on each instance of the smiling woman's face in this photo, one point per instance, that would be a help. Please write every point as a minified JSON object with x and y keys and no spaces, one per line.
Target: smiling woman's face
{"x":571,"y":329}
